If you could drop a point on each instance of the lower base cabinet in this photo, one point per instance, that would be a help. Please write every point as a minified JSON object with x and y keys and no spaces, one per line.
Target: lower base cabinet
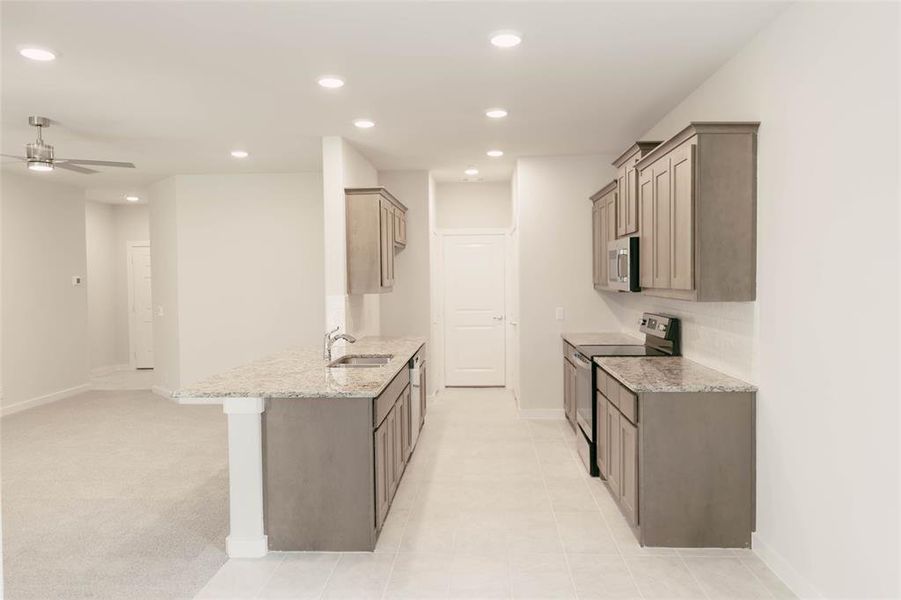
{"x":680,"y":465}
{"x":628,"y":483}
{"x":392,"y":444}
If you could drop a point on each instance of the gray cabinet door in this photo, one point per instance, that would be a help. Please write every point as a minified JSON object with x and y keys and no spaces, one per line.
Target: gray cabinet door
{"x":423,"y":395}
{"x":662,"y":222}
{"x":614,"y":459}
{"x":602,"y":446}
{"x":408,"y":423}
{"x":630,"y":204}
{"x":382,"y":449}
{"x":628,"y":443}
{"x":386,"y":243}
{"x":620,"y":202}
{"x":646,"y":217}
{"x":682,"y":218}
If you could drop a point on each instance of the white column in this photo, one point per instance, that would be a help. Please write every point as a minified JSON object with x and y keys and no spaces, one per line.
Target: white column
{"x":246,"y":537}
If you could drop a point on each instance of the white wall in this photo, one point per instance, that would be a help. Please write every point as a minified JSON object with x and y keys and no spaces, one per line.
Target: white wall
{"x":44,"y":318}
{"x":822,"y":80}
{"x":164,"y":281}
{"x":100,"y":246}
{"x":473,"y":205}
{"x":405,"y":311}
{"x":343,"y":166}
{"x":248,"y":269}
{"x":553,"y":229}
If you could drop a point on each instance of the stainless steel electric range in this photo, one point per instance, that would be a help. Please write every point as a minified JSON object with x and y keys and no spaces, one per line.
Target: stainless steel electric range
{"x":662,"y":338}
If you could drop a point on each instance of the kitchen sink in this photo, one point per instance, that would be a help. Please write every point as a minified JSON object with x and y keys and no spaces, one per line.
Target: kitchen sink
{"x":360,"y":361}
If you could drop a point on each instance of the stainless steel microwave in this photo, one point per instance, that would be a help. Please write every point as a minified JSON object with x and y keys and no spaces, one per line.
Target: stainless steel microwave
{"x":622,"y":264}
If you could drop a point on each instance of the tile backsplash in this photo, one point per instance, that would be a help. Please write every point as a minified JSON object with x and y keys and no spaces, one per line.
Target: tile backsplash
{"x":720,"y":335}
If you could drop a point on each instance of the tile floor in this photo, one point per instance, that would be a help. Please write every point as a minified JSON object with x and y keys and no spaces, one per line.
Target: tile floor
{"x":492,"y":506}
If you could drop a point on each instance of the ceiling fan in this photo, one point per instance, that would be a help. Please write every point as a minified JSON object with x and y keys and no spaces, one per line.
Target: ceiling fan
{"x":39,"y":155}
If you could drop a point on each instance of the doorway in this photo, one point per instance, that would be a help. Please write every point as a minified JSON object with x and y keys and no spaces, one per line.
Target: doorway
{"x":474,"y":309}
{"x":140,"y":314}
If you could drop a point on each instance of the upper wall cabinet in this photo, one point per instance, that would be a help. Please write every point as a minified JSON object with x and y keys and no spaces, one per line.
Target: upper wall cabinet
{"x":627,"y":186}
{"x":376,"y":224}
{"x":697,"y":196}
{"x":603,"y":229}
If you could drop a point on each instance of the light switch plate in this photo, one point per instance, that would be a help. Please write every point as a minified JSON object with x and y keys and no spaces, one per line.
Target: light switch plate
{"x":560,"y":313}
{"x":76,"y":280}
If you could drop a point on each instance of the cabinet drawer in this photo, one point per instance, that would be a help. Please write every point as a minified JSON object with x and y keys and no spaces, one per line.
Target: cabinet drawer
{"x":627,"y":402}
{"x":569,"y":352}
{"x":385,"y":402}
{"x":601,"y":378}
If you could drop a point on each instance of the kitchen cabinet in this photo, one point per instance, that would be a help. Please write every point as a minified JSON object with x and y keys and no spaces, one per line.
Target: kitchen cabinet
{"x":568,"y":391}
{"x":614,"y":451}
{"x":603,"y":214}
{"x":679,"y":465}
{"x":400,"y":228}
{"x":569,"y":385}
{"x":376,"y":228}
{"x":601,"y":445}
{"x":697,"y":197}
{"x":423,"y":395}
{"x":627,"y":218}
{"x":628,"y":469}
{"x":382,"y":454}
{"x":332,"y":465}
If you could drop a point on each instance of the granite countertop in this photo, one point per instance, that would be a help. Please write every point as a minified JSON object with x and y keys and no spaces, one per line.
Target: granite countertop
{"x":302,"y":373}
{"x":669,"y":374}
{"x":601,"y":339}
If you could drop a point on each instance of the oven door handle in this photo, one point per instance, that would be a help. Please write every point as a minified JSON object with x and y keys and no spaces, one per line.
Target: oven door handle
{"x":580,"y":358}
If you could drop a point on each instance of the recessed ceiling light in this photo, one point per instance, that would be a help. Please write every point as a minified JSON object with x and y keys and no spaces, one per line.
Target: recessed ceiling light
{"x":132,"y":198}
{"x":506,"y":39}
{"x":496,"y":113}
{"x":331,"y":82}
{"x":471,"y":171}
{"x":240,"y":153}
{"x":495,"y":153}
{"x":364,"y":123}
{"x":41,"y":54}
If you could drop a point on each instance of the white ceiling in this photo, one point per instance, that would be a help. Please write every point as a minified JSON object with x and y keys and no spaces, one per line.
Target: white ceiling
{"x":174,"y":86}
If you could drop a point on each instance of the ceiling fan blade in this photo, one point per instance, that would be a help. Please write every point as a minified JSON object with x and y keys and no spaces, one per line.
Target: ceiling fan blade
{"x":69,"y":167}
{"x":22,"y":158}
{"x":99,"y":163}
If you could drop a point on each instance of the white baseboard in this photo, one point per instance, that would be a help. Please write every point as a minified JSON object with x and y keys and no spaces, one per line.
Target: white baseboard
{"x":45,"y":399}
{"x":247,"y":548}
{"x":555,"y":414}
{"x":161,"y":391}
{"x":107,"y":369}
{"x":783,"y":570}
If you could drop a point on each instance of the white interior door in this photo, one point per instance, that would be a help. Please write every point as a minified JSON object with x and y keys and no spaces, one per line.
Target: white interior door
{"x":141,"y":315}
{"x":474,"y":310}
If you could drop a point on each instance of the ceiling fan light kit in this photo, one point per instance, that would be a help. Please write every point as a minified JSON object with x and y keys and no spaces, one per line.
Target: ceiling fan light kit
{"x":39,"y":156}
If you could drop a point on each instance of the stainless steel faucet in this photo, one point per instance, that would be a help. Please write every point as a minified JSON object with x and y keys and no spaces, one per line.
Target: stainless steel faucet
{"x":331,"y":338}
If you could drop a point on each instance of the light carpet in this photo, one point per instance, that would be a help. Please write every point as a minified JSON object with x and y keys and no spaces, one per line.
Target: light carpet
{"x":113,"y":494}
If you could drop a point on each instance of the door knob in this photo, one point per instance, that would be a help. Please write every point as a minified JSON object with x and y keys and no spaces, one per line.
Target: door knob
{"x":499,"y":318}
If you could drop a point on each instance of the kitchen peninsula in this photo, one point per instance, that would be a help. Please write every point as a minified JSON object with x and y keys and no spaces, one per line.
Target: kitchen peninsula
{"x":316,"y":448}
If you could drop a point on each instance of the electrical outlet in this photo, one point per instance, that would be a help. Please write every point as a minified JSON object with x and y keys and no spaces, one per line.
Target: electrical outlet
{"x":560,"y":313}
